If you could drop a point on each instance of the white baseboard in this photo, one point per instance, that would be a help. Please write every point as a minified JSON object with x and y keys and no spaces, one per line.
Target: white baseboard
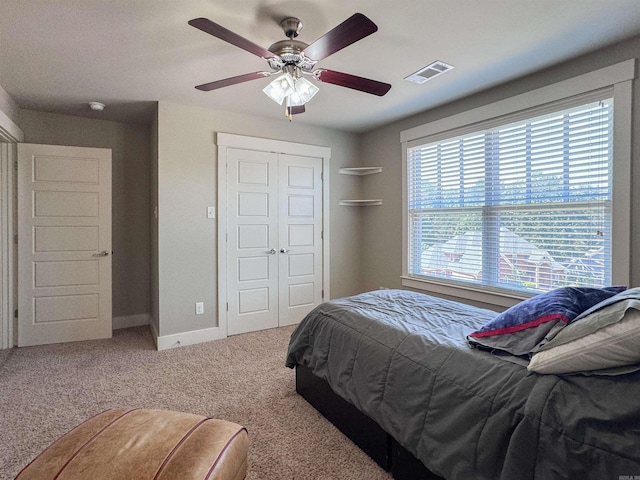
{"x":130,"y":321}
{"x":154,"y":332}
{"x":166,"y":342}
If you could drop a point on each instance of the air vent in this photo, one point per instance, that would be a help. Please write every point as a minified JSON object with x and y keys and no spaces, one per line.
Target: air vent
{"x":429,"y":72}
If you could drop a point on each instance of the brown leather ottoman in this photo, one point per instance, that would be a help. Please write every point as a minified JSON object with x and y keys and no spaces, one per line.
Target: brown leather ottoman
{"x":145,"y":445}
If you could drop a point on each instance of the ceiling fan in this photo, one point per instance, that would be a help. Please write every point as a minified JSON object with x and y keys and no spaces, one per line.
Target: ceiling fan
{"x":293,"y":60}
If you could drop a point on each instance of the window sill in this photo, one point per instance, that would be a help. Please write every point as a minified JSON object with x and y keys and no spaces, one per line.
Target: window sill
{"x":475,"y":293}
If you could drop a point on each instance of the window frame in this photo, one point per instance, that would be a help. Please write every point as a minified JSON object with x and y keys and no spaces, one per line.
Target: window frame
{"x":618,"y":78}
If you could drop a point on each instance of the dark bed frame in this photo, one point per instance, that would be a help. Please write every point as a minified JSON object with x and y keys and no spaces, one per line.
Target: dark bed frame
{"x":360,"y":429}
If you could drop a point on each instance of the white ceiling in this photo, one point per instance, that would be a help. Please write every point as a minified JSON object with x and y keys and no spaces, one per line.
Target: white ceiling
{"x":57,"y":55}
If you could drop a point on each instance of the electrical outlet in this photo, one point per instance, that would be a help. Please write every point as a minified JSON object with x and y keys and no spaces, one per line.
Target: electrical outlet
{"x":199,"y":308}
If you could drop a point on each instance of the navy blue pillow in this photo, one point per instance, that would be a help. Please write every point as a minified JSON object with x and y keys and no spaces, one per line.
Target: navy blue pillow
{"x":521,"y":328}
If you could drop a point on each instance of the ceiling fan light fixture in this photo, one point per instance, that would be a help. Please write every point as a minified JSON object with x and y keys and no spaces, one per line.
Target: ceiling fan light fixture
{"x":305,"y":90}
{"x":280,"y":88}
{"x":295,"y":100}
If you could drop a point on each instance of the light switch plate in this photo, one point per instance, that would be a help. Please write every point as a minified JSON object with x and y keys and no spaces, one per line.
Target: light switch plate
{"x":199,"y":308}
{"x":211,"y":212}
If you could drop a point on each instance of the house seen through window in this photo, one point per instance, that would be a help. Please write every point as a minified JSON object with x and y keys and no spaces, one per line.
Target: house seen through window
{"x":524,"y":206}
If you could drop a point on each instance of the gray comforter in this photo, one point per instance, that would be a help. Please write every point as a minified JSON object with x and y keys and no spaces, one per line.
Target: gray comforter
{"x":402,"y":358}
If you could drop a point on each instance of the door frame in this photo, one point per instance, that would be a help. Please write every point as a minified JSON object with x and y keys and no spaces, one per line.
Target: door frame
{"x":10,"y":136}
{"x":229,"y":140}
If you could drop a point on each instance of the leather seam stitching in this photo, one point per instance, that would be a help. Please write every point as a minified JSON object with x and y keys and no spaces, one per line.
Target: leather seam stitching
{"x":222,"y":452}
{"x":175,"y":448}
{"x":75,"y":454}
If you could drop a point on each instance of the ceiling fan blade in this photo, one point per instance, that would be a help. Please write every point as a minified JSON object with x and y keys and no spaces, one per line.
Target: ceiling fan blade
{"x":206,"y":87}
{"x":352,"y":81}
{"x":295,"y":110}
{"x":354,"y":28}
{"x":222,"y":33}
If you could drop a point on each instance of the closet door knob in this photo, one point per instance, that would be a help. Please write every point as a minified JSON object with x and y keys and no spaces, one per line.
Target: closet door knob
{"x":284,"y":250}
{"x":273,"y":251}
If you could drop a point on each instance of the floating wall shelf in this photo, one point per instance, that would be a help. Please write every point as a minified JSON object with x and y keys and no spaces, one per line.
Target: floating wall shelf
{"x":360,"y":171}
{"x":361,"y":203}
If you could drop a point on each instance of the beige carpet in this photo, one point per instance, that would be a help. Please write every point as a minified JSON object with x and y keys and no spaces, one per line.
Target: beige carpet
{"x":46,"y":390}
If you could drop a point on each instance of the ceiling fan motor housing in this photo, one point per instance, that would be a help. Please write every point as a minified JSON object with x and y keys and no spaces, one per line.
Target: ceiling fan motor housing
{"x":290,"y":53}
{"x":291,"y":26}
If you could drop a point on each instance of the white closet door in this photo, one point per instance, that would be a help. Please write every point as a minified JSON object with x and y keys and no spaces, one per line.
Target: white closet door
{"x":274,"y":239}
{"x":252,"y":243}
{"x":300,"y":237}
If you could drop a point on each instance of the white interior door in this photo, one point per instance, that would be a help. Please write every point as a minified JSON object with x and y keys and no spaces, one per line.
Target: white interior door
{"x":274,"y":239}
{"x":64,"y":244}
{"x":300,"y":237}
{"x":252,"y":243}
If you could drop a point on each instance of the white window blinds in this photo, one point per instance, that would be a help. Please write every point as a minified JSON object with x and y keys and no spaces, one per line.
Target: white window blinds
{"x":522,"y":206}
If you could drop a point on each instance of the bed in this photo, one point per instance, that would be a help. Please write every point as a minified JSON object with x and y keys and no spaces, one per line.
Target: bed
{"x":394,"y":370}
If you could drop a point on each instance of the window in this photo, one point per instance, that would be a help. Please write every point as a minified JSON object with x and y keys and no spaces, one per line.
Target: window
{"x":524,"y":195}
{"x":522,"y":206}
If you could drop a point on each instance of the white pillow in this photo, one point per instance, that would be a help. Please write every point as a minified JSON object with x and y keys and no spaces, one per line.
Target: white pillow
{"x":607,"y":338}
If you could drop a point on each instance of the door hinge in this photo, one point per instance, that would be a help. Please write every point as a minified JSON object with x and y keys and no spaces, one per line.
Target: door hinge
{"x":15,"y":239}
{"x":227,"y":306}
{"x":321,"y":234}
{"x":322,"y":176}
{"x":322,"y":293}
{"x":15,"y":313}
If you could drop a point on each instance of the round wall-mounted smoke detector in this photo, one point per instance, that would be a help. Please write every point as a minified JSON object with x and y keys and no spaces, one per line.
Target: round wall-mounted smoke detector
{"x":96,"y":106}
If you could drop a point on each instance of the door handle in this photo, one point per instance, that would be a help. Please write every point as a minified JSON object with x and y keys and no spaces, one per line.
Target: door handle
{"x":273,"y":251}
{"x":103,"y":253}
{"x":284,"y":250}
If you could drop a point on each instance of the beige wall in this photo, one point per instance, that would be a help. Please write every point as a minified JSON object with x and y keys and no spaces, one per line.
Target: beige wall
{"x":381,"y":256}
{"x":8,"y":106}
{"x":130,"y":146}
{"x":187,"y":171}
